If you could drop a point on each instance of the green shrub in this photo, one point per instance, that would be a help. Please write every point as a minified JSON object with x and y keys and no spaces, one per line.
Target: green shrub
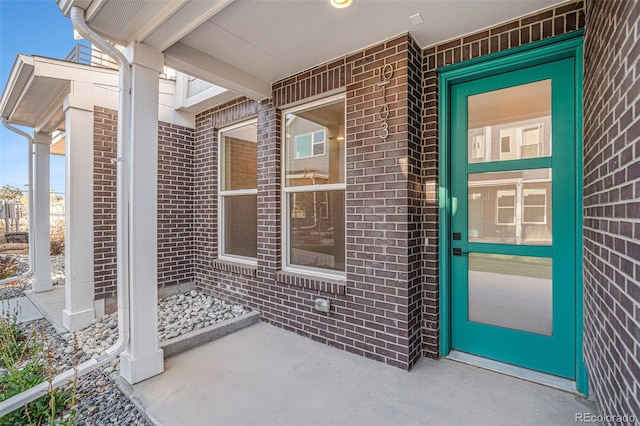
{"x":44,"y":409}
{"x":8,"y":267}
{"x":13,"y":343}
{"x":23,"y":371}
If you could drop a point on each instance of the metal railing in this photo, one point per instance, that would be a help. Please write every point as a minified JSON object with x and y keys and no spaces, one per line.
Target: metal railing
{"x":85,"y":55}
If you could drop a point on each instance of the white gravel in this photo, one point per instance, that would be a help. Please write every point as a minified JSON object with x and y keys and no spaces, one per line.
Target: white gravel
{"x":177,"y":315}
{"x":100,"y":402}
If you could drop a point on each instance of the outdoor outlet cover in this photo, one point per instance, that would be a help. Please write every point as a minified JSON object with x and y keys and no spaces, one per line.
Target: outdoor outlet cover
{"x":323,"y":305}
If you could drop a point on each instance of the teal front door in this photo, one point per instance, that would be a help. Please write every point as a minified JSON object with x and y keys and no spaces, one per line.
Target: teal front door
{"x":513,"y":217}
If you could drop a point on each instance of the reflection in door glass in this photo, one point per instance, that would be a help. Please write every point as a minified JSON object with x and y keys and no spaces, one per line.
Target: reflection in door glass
{"x":511,"y":291}
{"x":510,"y":207}
{"x":510,"y":124}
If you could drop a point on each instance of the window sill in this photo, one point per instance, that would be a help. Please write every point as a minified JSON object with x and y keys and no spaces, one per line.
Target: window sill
{"x":236,"y":268}
{"x":299,"y":280}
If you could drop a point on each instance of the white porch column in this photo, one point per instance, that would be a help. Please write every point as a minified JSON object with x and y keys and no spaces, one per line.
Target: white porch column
{"x":143,"y":357}
{"x":40,"y":221}
{"x":78,"y":234}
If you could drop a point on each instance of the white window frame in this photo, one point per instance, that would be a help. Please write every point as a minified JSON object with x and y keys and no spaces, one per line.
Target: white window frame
{"x":540,"y":128}
{"x":222,"y":194}
{"x":536,"y":191}
{"x":286,"y":207}
{"x":313,"y":144}
{"x":512,"y":193}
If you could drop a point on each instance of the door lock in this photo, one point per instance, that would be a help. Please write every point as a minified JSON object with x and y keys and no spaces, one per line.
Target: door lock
{"x":457,"y":236}
{"x":459,"y":252}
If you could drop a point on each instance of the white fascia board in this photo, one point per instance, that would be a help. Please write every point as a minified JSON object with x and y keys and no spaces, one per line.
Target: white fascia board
{"x":65,"y":70}
{"x":187,"y":17}
{"x":66,"y":5}
{"x":209,"y":102}
{"x":20,"y":75}
{"x":196,"y":63}
{"x":188,"y":101}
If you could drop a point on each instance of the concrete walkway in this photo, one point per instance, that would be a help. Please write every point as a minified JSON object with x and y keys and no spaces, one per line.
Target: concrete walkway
{"x":263,"y":375}
{"x":51,"y":303}
{"x":22,"y":307}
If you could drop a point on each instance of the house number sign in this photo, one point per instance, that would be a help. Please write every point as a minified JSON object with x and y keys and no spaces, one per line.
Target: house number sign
{"x":386,"y":73}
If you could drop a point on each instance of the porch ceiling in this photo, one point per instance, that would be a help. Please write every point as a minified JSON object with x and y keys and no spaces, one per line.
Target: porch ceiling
{"x":245,"y":45}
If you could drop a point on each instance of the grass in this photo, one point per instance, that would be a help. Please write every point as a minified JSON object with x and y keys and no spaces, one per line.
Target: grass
{"x":24,"y":369}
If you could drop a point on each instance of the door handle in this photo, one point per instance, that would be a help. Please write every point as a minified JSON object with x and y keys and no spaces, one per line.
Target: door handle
{"x":459,"y":252}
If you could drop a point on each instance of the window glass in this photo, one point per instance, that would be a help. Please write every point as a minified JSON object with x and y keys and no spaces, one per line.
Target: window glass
{"x":317,"y":229}
{"x":314,"y":186}
{"x":512,"y":207}
{"x":520,"y":130}
{"x":238,"y":223}
{"x":314,"y":145}
{"x":513,"y":292}
{"x":303,"y":145}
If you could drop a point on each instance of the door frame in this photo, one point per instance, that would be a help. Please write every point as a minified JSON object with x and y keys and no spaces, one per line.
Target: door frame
{"x":561,"y":47}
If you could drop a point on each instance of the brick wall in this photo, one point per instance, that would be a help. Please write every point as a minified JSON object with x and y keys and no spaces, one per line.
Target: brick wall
{"x":612,"y":204}
{"x":205,"y":175}
{"x":376,"y":312}
{"x":105,"y":129}
{"x":242,"y":154}
{"x":545,"y":24}
{"x":175,"y":203}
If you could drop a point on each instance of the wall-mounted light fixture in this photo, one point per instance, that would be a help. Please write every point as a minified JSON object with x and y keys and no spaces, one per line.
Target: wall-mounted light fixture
{"x":340,"y":4}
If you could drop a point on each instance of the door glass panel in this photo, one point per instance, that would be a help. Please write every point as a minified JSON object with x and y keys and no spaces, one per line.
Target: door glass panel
{"x":510,"y":124}
{"x":511,"y":291}
{"x":510,"y":207}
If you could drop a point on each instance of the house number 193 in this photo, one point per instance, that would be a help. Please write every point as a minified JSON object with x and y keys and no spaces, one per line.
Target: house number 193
{"x":386,"y":73}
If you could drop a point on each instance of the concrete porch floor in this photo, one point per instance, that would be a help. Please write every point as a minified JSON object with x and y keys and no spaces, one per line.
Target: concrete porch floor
{"x":263,"y":375}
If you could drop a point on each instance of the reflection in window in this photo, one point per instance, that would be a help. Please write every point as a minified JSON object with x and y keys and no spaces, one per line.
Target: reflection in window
{"x":506,"y":201}
{"x":511,"y":207}
{"x":513,"y":123}
{"x":240,"y":213}
{"x":513,"y":292}
{"x":310,"y":144}
{"x":534,"y":205}
{"x":531,"y":142}
{"x":314,"y":187}
{"x":316,"y":218}
{"x":477,"y":147}
{"x":238,"y":224}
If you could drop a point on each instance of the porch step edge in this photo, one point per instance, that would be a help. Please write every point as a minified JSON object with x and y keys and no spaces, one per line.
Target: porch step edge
{"x":199,"y":337}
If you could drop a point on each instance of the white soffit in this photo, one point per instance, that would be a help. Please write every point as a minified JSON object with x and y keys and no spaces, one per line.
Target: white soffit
{"x":230,"y":42}
{"x":274,"y":39}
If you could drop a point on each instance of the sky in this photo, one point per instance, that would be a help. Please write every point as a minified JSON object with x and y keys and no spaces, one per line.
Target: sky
{"x":31,"y":27}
